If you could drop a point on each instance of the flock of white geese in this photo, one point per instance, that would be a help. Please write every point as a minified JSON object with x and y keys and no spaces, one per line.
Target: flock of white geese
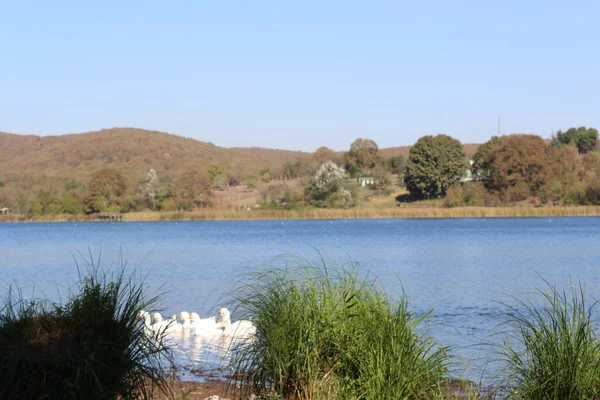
{"x":192,"y":323}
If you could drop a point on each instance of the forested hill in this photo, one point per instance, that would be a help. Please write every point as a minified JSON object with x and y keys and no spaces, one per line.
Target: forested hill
{"x":33,"y":160}
{"x":30,"y":163}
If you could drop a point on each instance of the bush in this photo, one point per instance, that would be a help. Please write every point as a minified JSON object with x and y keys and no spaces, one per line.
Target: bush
{"x":455,"y":197}
{"x":576,"y":196}
{"x":551,"y":350}
{"x":327,"y":333}
{"x":475,"y":194}
{"x":92,"y":347}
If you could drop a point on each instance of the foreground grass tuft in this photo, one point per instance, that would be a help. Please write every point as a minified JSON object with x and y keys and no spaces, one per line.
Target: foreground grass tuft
{"x":92,"y":347}
{"x":552,"y":351}
{"x":326,"y":333}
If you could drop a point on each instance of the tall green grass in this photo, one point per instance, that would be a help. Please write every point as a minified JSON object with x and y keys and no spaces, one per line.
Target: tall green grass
{"x":552,"y":350}
{"x":325,"y":333}
{"x":91,"y":347}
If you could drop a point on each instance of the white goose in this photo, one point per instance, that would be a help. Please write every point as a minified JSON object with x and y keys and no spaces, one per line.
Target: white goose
{"x":145,"y":315}
{"x":204,"y":326}
{"x":160,"y":325}
{"x":239,"y":329}
{"x":184,"y":317}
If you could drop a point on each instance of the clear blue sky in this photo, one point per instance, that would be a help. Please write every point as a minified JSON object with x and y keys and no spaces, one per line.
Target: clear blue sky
{"x":298,"y":75}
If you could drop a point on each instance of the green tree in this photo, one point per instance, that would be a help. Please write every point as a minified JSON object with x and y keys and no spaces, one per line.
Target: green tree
{"x":69,"y":204}
{"x":45,"y":203}
{"x":435,"y":163}
{"x":583,"y":138}
{"x":106,"y":188}
{"x":516,"y":162}
{"x":218,"y":176}
{"x":266,"y":175}
{"x":396,"y":164}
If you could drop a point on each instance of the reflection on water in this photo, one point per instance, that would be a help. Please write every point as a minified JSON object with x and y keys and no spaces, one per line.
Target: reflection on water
{"x":196,"y":355}
{"x":460,"y":268}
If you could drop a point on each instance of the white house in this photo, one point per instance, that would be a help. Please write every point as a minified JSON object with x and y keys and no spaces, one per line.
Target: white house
{"x":366,"y":180}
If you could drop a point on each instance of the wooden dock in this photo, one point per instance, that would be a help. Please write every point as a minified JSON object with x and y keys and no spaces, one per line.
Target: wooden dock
{"x":108,"y":217}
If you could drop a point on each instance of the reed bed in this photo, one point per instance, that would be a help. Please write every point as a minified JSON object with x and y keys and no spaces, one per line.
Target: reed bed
{"x":91,"y":347}
{"x":360,"y":213}
{"x":327,"y":333}
{"x":327,"y":214}
{"x":552,"y":350}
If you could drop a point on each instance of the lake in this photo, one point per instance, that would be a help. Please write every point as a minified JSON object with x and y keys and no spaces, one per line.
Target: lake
{"x":461,"y":268}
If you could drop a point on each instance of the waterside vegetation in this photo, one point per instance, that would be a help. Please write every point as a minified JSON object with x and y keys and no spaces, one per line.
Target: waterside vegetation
{"x":93,"y":346}
{"x":328,"y":214}
{"x":140,"y":171}
{"x":322,"y":332}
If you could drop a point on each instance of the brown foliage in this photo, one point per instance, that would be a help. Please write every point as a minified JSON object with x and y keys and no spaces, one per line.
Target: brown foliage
{"x":193,"y":188}
{"x":516,"y":159}
{"x":364,"y":153}
{"x":323,"y":154}
{"x":107,"y":184}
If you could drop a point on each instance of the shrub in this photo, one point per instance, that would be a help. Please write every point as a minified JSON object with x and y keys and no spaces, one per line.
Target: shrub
{"x":327,"y":333}
{"x":475,"y":194}
{"x":551,"y":350}
{"x":92,"y":347}
{"x":576,"y":196}
{"x":455,"y":197}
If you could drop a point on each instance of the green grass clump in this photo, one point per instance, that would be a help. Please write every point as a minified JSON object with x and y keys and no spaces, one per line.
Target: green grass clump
{"x":552,"y":351}
{"x":329,"y":334}
{"x":91,"y":347}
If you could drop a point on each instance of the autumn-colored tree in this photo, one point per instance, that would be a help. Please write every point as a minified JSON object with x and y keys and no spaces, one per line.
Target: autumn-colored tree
{"x":583,"y":138}
{"x":105,"y":190}
{"x":516,"y":162}
{"x":323,"y":154}
{"x":193,"y":188}
{"x":435,"y":164}
{"x":363,"y":154}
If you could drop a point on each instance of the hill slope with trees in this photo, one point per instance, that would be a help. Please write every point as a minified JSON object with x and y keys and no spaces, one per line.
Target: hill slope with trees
{"x":27,"y":160}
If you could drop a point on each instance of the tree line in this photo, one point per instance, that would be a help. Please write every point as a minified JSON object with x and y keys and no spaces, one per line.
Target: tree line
{"x":508,"y":169}
{"x":564,"y":170}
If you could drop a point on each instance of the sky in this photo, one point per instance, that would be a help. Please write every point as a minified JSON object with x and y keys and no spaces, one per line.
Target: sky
{"x":300,"y":74}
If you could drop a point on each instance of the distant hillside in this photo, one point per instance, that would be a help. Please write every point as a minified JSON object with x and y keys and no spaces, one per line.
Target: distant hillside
{"x":30,"y":163}
{"x":469,"y":149}
{"x":35,"y":160}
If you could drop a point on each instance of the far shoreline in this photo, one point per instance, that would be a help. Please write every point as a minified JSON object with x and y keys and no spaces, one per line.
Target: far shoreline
{"x":401,"y":212}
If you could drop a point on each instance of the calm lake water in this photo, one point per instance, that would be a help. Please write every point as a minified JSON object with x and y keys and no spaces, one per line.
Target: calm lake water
{"x":460,"y":268}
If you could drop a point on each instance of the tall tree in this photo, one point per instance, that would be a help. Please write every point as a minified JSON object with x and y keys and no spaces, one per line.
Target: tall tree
{"x":218,"y":176}
{"x":363,"y":154}
{"x":193,"y":188}
{"x":435,"y":163}
{"x":105,"y":190}
{"x":327,"y":183}
{"x":515,"y":160}
{"x":150,"y":187}
{"x":583,"y":138}
{"x":323,"y":154}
